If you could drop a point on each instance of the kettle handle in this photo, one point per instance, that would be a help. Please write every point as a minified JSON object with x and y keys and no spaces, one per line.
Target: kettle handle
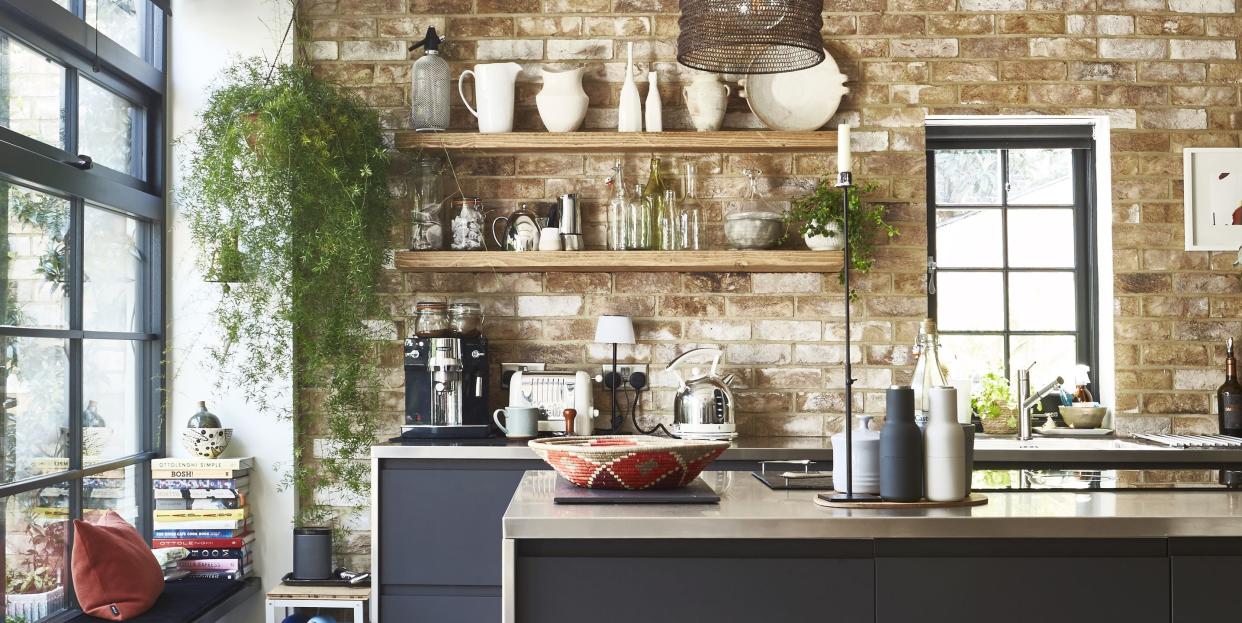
{"x":716,"y":353}
{"x":500,"y":246}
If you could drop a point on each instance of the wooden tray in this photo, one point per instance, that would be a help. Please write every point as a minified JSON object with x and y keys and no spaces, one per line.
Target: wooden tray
{"x":974,"y":499}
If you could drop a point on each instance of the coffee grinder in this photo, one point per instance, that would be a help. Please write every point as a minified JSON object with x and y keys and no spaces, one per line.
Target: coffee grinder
{"x":446,"y":387}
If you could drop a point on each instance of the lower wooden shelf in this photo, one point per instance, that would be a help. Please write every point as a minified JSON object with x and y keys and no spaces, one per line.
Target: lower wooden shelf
{"x":620,"y":261}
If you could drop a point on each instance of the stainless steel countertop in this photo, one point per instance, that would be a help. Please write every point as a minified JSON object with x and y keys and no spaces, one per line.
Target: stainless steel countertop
{"x":749,"y":510}
{"x":987,"y":449}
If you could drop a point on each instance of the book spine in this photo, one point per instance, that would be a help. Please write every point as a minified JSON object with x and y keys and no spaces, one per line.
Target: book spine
{"x":201,"y":463}
{"x":234,"y":543}
{"x":199,"y":494}
{"x":187,"y":533}
{"x":201,"y":483}
{"x":195,"y":473}
{"x":218,"y":554}
{"x":219,"y":575}
{"x":197,"y":504}
{"x":195,"y":515}
{"x":210,"y":565}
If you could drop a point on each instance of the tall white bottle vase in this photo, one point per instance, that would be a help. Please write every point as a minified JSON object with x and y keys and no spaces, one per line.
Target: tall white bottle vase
{"x":944,"y":448}
{"x":630,"y":108}
{"x":653,"y":114}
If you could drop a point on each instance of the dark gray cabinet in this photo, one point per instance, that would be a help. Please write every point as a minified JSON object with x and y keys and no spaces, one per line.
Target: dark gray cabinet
{"x":1206,"y":584}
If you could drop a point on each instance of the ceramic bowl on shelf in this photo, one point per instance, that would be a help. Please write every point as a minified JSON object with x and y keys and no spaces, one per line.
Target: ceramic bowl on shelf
{"x":754,"y":230}
{"x":1083,"y":417}
{"x":630,"y":462}
{"x":208,"y":443}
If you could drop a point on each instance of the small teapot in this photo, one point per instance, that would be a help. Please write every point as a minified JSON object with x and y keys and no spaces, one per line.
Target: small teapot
{"x":521,"y":230}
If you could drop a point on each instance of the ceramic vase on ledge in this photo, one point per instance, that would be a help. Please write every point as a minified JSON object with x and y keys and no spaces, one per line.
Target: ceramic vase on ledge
{"x":562,"y":102}
{"x":706,"y":99}
{"x":630,"y":108}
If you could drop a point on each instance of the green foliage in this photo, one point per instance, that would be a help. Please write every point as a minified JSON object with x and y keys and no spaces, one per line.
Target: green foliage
{"x":821,"y":207}
{"x":993,"y":393}
{"x":39,"y":566}
{"x":287,"y":192}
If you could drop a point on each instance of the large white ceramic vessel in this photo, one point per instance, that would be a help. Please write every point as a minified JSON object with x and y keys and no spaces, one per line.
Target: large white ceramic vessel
{"x":562,"y":102}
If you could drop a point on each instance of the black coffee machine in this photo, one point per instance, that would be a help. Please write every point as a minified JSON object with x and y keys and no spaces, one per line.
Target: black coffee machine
{"x":446,"y":387}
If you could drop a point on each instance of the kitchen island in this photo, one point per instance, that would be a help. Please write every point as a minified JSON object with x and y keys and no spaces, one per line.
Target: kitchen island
{"x":437,"y":506}
{"x":764,"y":555}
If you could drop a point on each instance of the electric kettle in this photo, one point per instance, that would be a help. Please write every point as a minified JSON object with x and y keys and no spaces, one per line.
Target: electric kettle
{"x":703,"y":405}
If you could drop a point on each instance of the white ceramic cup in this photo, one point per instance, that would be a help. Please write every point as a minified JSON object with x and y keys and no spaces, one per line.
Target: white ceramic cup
{"x":550,"y":239}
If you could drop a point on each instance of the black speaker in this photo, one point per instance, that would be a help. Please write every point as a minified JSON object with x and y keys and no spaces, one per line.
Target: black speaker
{"x":312,"y":553}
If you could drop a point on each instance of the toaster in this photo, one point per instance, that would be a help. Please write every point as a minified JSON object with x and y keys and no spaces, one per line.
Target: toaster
{"x":553,"y":392}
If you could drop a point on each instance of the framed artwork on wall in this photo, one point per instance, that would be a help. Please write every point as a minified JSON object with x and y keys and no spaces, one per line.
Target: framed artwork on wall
{"x":1213,"y":193}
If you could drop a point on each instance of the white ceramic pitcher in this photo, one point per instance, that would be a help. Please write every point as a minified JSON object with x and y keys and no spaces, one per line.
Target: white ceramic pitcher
{"x":562,"y":103}
{"x":493,"y":92}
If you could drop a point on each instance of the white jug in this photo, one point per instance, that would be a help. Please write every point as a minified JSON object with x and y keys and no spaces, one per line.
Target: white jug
{"x":493,"y":92}
{"x":562,"y":103}
{"x":706,"y":99}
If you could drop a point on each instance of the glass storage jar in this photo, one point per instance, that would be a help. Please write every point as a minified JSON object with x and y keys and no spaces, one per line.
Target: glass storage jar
{"x":432,"y":320}
{"x":427,"y":216}
{"x":467,"y":224}
{"x":466,"y":319}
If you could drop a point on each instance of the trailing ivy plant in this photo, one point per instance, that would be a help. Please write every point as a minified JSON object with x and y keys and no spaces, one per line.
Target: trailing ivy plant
{"x":819,"y":213}
{"x":286,"y":193}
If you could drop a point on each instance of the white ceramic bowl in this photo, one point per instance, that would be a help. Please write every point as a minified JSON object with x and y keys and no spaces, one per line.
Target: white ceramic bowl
{"x":206,"y":442}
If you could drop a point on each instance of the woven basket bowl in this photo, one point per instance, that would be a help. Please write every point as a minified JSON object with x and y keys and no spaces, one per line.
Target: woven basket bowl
{"x":630,"y":462}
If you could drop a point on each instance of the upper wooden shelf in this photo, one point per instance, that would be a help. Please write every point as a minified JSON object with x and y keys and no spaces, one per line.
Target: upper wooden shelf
{"x":614,"y":142}
{"x":620,"y":261}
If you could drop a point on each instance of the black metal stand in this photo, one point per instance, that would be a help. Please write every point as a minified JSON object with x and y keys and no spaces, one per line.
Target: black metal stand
{"x":845,"y":181}
{"x":615,"y":421}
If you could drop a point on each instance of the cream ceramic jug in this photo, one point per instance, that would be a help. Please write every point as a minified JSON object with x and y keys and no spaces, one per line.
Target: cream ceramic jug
{"x":562,"y":103}
{"x":493,"y":93}
{"x":706,"y":98}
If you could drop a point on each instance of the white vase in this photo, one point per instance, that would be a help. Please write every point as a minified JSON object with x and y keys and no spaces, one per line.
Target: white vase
{"x":630,"y":108}
{"x":706,"y":100}
{"x":493,"y":93}
{"x":653,"y":115}
{"x":561,"y":102}
{"x":824,"y":242}
{"x":944,"y":448}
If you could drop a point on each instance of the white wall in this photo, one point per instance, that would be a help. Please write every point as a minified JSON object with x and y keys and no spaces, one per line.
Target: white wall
{"x":205,"y":36}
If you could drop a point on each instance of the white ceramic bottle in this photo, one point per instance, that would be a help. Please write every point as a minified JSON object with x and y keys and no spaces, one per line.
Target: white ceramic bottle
{"x":630,"y":108}
{"x":653,"y":115}
{"x":944,"y":448}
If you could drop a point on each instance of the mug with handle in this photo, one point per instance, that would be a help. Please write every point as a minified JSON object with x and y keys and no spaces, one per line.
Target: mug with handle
{"x":493,"y":95}
{"x":519,"y":422}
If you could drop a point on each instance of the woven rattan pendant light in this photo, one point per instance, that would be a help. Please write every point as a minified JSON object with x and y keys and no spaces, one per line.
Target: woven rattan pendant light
{"x":751,"y":36}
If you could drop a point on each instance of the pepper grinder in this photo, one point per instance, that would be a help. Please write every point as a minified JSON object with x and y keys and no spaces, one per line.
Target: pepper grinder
{"x":901,"y":448}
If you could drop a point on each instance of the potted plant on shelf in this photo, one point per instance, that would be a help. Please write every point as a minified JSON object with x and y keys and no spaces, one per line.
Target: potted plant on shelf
{"x":993,"y":403}
{"x":819,"y":218}
{"x":33,"y":587}
{"x":288,"y":202}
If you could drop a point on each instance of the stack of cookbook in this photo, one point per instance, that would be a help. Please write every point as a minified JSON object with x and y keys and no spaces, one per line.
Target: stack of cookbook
{"x":201,"y":505}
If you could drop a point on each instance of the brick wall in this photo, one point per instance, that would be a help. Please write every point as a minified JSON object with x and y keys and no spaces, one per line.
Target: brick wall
{"x":1165,"y":71}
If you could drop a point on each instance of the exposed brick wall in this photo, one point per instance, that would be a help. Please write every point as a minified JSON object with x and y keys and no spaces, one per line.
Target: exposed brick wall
{"x":1165,"y":71}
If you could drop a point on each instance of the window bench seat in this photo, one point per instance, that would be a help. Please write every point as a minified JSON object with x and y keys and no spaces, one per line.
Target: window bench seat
{"x":191,"y":601}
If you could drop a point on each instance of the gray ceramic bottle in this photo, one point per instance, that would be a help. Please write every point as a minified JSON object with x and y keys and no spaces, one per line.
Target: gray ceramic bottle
{"x":901,"y":449}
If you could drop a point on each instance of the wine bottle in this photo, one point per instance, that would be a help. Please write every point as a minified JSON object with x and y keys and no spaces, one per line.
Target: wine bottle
{"x":1229,"y":396}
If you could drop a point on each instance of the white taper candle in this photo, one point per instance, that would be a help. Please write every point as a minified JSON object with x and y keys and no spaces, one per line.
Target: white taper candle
{"x":844,"y":161}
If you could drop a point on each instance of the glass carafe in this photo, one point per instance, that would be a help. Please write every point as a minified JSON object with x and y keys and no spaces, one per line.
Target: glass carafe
{"x":427,"y":216}
{"x":640,"y":222}
{"x":618,"y":206}
{"x":690,"y":211}
{"x":928,"y":371}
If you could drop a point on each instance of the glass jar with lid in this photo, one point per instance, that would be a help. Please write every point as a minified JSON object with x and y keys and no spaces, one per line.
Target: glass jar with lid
{"x":431,"y":319}
{"x":467,"y":224}
{"x":427,"y":215}
{"x":465,"y":319}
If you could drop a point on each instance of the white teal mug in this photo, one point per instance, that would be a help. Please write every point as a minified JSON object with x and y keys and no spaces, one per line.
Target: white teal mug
{"x":519,"y":422}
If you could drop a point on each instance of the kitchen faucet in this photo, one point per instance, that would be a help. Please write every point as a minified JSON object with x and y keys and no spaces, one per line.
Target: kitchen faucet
{"x":1027,"y":401}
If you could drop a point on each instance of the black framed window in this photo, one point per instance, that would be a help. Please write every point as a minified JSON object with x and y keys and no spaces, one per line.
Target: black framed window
{"x":1011,"y":244}
{"x":81,"y":279}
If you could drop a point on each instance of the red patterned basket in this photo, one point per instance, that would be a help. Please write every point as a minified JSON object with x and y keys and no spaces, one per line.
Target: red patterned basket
{"x":630,"y":462}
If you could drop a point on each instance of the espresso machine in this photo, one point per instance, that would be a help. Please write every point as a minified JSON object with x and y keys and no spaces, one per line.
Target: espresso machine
{"x":446,"y":386}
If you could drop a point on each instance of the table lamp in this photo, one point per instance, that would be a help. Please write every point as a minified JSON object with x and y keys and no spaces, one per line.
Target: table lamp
{"x":614,"y":330}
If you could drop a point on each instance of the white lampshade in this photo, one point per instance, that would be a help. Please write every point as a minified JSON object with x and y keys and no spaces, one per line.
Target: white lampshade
{"x":614,"y":330}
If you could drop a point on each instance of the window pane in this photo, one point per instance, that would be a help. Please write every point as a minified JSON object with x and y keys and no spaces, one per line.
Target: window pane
{"x":113,"y":266}
{"x":123,"y":21}
{"x":111,"y":394}
{"x":968,"y":176}
{"x":113,"y":490}
{"x":1041,"y":238}
{"x":32,"y":93}
{"x":1053,"y":355}
{"x":33,"y":259}
{"x":1042,"y":302}
{"x":107,"y":127}
{"x":1041,"y":176}
{"x":968,"y":239}
{"x":972,"y":356}
{"x":34,"y":383}
{"x":35,"y":526}
{"x":968,"y":301}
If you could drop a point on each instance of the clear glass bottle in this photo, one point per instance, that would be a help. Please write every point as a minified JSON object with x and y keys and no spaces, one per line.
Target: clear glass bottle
{"x":467,"y":224}
{"x":928,"y":371}
{"x":427,"y":215}
{"x":640,"y":222}
{"x":690,"y":211}
{"x":670,"y":237}
{"x":618,"y":206}
{"x":653,"y":194}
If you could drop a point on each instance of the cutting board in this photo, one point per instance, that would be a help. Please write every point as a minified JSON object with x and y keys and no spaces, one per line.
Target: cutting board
{"x":697,"y":492}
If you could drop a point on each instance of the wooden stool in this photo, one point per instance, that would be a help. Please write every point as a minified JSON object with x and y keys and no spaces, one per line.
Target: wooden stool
{"x":283,"y":597}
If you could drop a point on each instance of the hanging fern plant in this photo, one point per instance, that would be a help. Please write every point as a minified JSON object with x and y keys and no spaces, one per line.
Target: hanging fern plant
{"x":286,"y":193}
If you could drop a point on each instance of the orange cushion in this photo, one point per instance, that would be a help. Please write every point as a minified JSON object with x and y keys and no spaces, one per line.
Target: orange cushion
{"x":115,"y":576}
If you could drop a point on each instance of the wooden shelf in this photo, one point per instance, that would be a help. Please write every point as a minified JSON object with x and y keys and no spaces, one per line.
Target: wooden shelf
{"x":620,"y":261}
{"x":615,"y":142}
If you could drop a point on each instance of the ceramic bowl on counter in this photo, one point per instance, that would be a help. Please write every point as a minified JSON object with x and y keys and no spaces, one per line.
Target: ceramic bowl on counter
{"x":754,"y":230}
{"x":629,"y":462}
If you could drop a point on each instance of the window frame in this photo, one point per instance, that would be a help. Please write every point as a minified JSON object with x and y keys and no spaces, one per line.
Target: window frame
{"x":1079,"y":138}
{"x":64,"y":37}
